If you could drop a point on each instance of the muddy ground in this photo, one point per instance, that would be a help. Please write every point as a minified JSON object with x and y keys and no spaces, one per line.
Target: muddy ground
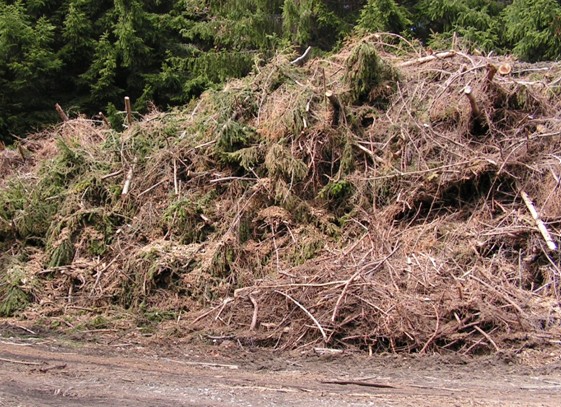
{"x":49,"y":370}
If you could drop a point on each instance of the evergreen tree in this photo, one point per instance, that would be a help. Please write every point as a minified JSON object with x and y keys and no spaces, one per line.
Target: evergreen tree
{"x":316,"y":22}
{"x":128,"y":29}
{"x":102,"y":73}
{"x":384,"y":15}
{"x":112,"y":46}
{"x":79,"y":45}
{"x":533,"y":29}
{"x":88,"y":54}
{"x":476,"y":21}
{"x":219,"y":40}
{"x":28,"y":66}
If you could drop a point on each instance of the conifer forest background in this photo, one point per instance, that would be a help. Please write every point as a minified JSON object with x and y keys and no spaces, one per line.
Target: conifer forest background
{"x":88,"y":54}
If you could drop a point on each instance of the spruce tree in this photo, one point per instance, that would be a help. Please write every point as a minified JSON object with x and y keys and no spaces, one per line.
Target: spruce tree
{"x":476,"y":21}
{"x":219,"y":40}
{"x":88,"y":54}
{"x":316,"y":22}
{"x":28,"y":66}
{"x":384,"y":15}
{"x":533,"y":29}
{"x":129,"y":29}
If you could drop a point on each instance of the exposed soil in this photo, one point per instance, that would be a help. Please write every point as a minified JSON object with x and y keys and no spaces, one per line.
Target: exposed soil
{"x":52,"y":371}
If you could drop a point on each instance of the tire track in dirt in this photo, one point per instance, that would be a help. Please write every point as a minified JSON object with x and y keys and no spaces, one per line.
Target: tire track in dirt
{"x":39,"y":375}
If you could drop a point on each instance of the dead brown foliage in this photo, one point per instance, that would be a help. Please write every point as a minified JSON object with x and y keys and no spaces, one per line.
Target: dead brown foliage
{"x":386,"y":219}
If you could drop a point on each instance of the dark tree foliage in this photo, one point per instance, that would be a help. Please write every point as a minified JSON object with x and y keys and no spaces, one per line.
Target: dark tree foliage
{"x":476,"y":21}
{"x":533,"y":29}
{"x":385,"y":15}
{"x":88,"y":54}
{"x":28,"y":66}
{"x":319,"y":23}
{"x":217,"y":40}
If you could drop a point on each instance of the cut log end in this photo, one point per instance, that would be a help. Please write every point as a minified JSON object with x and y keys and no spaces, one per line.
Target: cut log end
{"x":63,"y":116}
{"x":491,"y":71}
{"x":475,"y":111}
{"x":335,"y":105}
{"x":128,"y":110}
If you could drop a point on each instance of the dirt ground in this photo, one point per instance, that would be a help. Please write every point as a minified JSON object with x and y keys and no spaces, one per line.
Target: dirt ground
{"x":49,"y":370}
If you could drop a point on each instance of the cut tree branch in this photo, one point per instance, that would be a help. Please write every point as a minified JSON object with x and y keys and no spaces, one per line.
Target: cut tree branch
{"x":541,"y":226}
{"x":61,"y":113}
{"x":491,"y":71}
{"x":422,"y":60}
{"x":128,"y":110}
{"x":475,"y":111}
{"x":303,"y":58}
{"x":255,"y":313}
{"x":336,"y":105}
{"x":105,"y":120}
{"x":128,"y":179}
{"x":308,"y":313}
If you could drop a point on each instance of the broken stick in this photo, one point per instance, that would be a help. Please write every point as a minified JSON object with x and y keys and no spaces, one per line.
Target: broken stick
{"x":255,"y":311}
{"x":46,"y":369}
{"x":491,"y":71}
{"x":475,"y":111}
{"x":128,"y":110}
{"x":422,"y":60}
{"x":301,"y":59}
{"x":541,"y":226}
{"x":336,"y":105}
{"x":308,"y":313}
{"x":61,"y":113}
{"x":358,"y":383}
{"x":105,"y":120}
{"x":20,"y":362}
{"x":128,"y":179}
{"x":175,"y":183}
{"x":479,"y":124}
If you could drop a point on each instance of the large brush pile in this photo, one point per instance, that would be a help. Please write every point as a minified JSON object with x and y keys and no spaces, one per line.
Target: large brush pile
{"x":380,"y":198}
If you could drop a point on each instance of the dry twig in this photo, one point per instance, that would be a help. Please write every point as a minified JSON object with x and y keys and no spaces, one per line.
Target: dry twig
{"x":308,"y":313}
{"x":541,"y":226}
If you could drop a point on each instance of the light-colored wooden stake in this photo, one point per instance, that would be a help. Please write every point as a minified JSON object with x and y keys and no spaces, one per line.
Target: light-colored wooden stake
{"x":105,"y":120}
{"x":475,"y":111}
{"x":336,"y":104}
{"x":128,"y":109}
{"x":128,"y":179}
{"x":61,"y":113}
{"x":541,"y":226}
